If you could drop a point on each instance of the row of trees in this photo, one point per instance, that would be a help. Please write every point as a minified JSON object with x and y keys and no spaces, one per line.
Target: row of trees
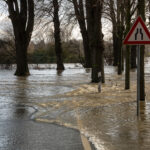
{"x":122,"y":19}
{"x":42,"y":52}
{"x":88,"y":14}
{"x":22,"y":13}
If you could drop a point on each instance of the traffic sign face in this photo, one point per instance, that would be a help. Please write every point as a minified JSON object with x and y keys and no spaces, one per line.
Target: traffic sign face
{"x":138,"y":34}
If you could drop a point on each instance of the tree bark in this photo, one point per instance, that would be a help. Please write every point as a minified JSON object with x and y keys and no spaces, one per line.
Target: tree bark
{"x":58,"y":47}
{"x":79,"y":12}
{"x":127,"y":70}
{"x":120,"y":53}
{"x":114,"y":32}
{"x":133,"y":57}
{"x":115,"y":47}
{"x":22,"y":18}
{"x":94,"y":10}
{"x":21,"y":59}
{"x":120,"y":29}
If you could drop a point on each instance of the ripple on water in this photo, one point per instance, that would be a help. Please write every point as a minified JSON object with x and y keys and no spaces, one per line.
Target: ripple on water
{"x":111,"y":127}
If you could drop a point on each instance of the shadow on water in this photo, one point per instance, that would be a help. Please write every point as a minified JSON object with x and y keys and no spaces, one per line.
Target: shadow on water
{"x":20,"y":94}
{"x":15,"y":113}
{"x":20,"y":97}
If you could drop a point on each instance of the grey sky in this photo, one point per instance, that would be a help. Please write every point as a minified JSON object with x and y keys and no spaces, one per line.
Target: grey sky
{"x":5,"y":23}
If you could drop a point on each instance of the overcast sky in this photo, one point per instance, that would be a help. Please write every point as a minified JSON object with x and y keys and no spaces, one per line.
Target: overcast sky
{"x":5,"y":23}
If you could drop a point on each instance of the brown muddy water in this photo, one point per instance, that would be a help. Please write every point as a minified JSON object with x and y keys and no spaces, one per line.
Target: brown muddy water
{"x":108,"y":119}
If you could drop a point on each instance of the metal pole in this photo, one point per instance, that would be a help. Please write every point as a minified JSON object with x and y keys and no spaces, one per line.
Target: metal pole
{"x":138,"y":80}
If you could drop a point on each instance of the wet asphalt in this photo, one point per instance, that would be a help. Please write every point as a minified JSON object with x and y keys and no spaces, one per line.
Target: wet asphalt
{"x":19,"y":132}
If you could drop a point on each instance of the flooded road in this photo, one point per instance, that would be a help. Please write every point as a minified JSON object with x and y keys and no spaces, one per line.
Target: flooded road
{"x":107,"y":119}
{"x":19,"y":99}
{"x":118,"y":128}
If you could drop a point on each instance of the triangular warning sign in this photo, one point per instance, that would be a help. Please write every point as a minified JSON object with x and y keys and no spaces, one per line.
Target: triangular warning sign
{"x":138,"y":34}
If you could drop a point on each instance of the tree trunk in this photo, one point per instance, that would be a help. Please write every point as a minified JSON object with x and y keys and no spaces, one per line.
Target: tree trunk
{"x":128,"y":21}
{"x":58,"y":47}
{"x":102,"y":68}
{"x":79,"y":12}
{"x":94,"y":10}
{"x":123,"y":58}
{"x":142,"y":74}
{"x":22,"y":18}
{"x":114,"y":32}
{"x":115,"y":48}
{"x":21,"y":59}
{"x":87,"y":53}
{"x":120,"y":28}
{"x":133,"y":57}
{"x":127,"y":70}
{"x":120,"y":55}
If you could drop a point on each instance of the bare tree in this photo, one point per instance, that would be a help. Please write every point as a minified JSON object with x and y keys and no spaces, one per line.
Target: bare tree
{"x":94,"y":14}
{"x":58,"y":47}
{"x":21,"y":14}
{"x":110,"y":13}
{"x":80,"y":15}
{"x":130,"y":8}
{"x":49,"y":11}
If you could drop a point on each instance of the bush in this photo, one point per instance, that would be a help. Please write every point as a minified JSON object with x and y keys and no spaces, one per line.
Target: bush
{"x":46,"y":54}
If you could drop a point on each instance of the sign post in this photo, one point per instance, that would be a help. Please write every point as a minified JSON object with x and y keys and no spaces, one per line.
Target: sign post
{"x":138,"y":80}
{"x":138,"y":35}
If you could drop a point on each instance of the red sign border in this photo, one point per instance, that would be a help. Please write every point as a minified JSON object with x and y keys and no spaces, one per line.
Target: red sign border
{"x":139,"y":19}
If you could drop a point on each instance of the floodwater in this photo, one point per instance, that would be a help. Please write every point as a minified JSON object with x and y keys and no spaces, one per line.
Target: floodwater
{"x":56,"y":99}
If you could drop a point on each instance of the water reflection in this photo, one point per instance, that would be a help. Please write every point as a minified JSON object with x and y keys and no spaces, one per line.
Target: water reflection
{"x":87,"y":70}
{"x":20,"y":97}
{"x":115,"y":127}
{"x":20,"y":90}
{"x":16,"y":93}
{"x":13,"y":129}
{"x":59,"y":72}
{"x":20,"y":112}
{"x":144,"y":126}
{"x":143,"y":111}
